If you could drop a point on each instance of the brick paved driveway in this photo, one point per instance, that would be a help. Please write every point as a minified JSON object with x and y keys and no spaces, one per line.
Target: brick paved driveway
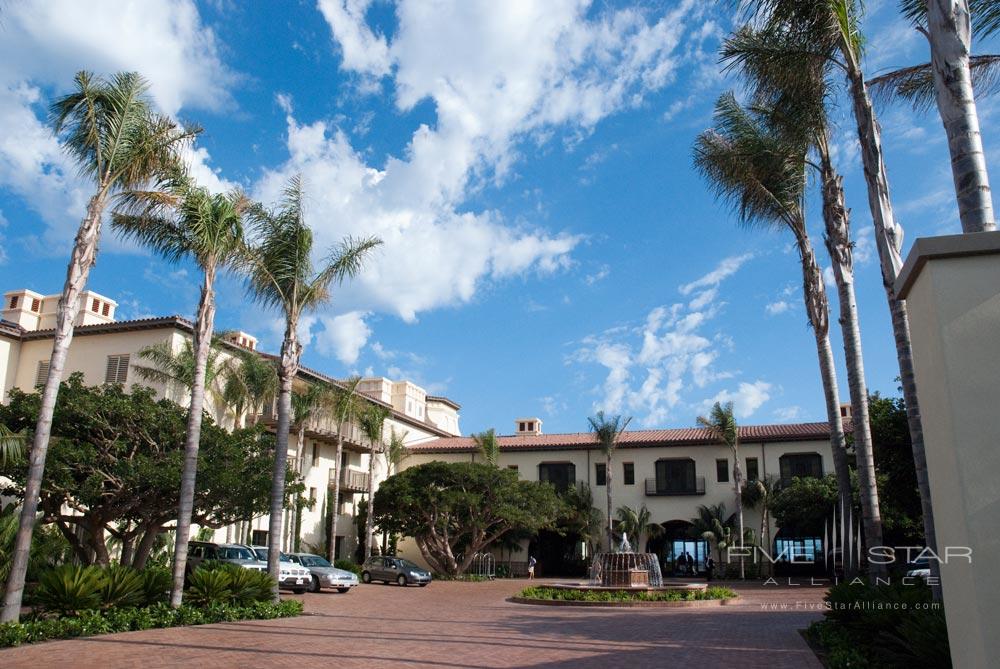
{"x":463,"y":625}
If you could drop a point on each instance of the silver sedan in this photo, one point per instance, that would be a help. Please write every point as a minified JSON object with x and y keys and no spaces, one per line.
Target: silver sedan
{"x":324,"y":574}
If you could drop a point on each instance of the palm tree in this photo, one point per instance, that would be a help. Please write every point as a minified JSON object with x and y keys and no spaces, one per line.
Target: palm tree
{"x":488,"y":445}
{"x":372,"y":421}
{"x":250,"y":383}
{"x":762,"y":174}
{"x":721,"y":424}
{"x":346,"y":405}
{"x":306,"y":405}
{"x":395,"y":452}
{"x":607,"y":431}
{"x":714,"y":526}
{"x":181,"y":220}
{"x":794,"y":97}
{"x":281,"y":275}
{"x":832,"y":32}
{"x":176,"y":369}
{"x":757,"y":495}
{"x":110,"y":129}
{"x":949,"y":29}
{"x":638,"y":524}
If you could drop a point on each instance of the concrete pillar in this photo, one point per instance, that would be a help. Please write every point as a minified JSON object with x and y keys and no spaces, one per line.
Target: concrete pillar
{"x":952,"y":290}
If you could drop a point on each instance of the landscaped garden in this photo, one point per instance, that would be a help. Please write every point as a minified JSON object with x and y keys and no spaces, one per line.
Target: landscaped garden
{"x":550,"y":594}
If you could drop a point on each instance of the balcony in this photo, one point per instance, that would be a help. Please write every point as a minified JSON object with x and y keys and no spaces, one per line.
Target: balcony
{"x":350,"y":480}
{"x":664,"y":488}
{"x":322,"y":427}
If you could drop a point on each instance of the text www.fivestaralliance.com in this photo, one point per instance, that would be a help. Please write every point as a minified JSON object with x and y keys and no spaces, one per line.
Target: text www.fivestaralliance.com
{"x":849,"y":606}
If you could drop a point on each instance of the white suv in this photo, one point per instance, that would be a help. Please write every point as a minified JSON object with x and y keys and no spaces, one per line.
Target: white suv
{"x":290,"y":575}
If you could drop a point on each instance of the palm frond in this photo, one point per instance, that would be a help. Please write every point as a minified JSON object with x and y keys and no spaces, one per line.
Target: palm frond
{"x":984,"y":14}
{"x":915,"y":84}
{"x":607,"y":430}
{"x":488,"y":445}
{"x":11,"y":446}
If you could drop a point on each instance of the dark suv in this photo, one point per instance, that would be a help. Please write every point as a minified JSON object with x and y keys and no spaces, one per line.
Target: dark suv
{"x":199,"y":551}
{"x":390,"y":569}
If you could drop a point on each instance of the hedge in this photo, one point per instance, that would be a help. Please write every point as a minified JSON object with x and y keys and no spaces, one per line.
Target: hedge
{"x":572,"y":595}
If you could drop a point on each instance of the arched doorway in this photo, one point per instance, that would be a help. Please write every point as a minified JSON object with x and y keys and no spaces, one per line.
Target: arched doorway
{"x":557,"y":554}
{"x":676,"y":541}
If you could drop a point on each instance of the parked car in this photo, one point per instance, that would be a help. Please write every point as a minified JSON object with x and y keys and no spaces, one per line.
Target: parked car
{"x":291,"y":576}
{"x":200,"y":551}
{"x":390,"y":569}
{"x":324,"y":574}
{"x":919,"y":568}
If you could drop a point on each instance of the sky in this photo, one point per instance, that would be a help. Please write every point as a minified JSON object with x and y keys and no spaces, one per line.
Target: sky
{"x":549,"y":250}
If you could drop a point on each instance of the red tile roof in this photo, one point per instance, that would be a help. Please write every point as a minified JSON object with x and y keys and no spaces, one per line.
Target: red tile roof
{"x":690,"y":436}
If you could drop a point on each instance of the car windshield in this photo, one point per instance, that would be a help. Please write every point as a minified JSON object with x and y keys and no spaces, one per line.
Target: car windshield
{"x":262,"y":555}
{"x":314,"y":561}
{"x":234,"y":553}
{"x":406,"y":564}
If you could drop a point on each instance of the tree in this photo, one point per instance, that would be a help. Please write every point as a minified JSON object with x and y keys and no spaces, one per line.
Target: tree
{"x":117,"y":140}
{"x":637,"y":524}
{"x":394,"y":452}
{"x":949,"y":28}
{"x":281,"y":275}
{"x":346,"y":404}
{"x":176,"y":369}
{"x":11,"y":446}
{"x":580,"y":516}
{"x":182,"y":220}
{"x":805,"y":505}
{"x":758,"y":494}
{"x":607,"y":431}
{"x":116,"y":460}
{"x":372,"y":421}
{"x":714,"y":526}
{"x":249,"y":383}
{"x":306,"y":405}
{"x":794,"y":98}
{"x":833,"y":34}
{"x":898,"y":478}
{"x":761,"y":173}
{"x":461,"y":508}
{"x":488,"y":445}
{"x":721,"y":424}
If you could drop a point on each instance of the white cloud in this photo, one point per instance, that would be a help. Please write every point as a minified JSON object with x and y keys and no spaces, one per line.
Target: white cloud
{"x":361,"y":49}
{"x":746,"y":399}
{"x":726,"y":268}
{"x":775,"y":308}
{"x":788,"y":414}
{"x":601,"y":274}
{"x":165,"y":41}
{"x":343,"y":336}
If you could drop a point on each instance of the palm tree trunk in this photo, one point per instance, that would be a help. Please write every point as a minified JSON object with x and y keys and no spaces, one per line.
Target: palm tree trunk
{"x":738,"y":482}
{"x":889,"y":240}
{"x":371,"y":491}
{"x":817,"y":308}
{"x":335,"y":507}
{"x":838,"y":243}
{"x":288,"y":367}
{"x":81,"y":261}
{"x":607,"y":486}
{"x":950,"y":35}
{"x":202,"y":346}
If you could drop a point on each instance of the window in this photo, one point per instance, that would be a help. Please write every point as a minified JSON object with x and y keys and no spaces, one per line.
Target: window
{"x":106,"y":309}
{"x":521,"y":427}
{"x":675,"y":476}
{"x":312,"y":494}
{"x":531,"y":426}
{"x":753,"y":472}
{"x":258,"y":538}
{"x":843,"y":412}
{"x":117,"y":371}
{"x":36,"y":305}
{"x":337,"y":545}
{"x":600,"y":473}
{"x":13,"y":302}
{"x":560,"y":474}
{"x":95,"y":306}
{"x":722,"y":470}
{"x":628,"y":473}
{"x":42,"y":375}
{"x":800,"y":465}
{"x":315,"y":454}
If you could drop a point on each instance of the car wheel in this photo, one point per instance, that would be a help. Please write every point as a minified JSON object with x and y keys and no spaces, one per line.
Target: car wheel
{"x":366,"y":577}
{"x":343,"y":589}
{"x":401,"y":580}
{"x":314,"y":585}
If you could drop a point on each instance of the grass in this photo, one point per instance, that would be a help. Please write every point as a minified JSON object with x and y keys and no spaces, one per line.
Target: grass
{"x":570,"y":595}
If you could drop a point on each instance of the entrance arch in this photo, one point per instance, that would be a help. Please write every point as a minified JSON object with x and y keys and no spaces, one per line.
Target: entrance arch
{"x":675,"y":541}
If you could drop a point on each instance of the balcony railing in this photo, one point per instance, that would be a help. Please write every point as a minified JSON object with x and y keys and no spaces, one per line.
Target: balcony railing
{"x":661,"y":488}
{"x":350,"y":480}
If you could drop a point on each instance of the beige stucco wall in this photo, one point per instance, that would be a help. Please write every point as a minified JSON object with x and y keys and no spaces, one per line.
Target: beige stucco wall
{"x":10,"y":350}
{"x":954,"y":307}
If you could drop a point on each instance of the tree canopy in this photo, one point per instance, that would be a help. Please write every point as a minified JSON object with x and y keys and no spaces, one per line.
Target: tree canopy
{"x":454,"y":510}
{"x":115,"y":467}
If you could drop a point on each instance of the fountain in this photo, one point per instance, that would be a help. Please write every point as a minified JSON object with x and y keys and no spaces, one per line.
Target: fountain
{"x":625,"y":568}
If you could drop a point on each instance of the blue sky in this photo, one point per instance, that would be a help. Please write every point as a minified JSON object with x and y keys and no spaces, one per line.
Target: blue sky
{"x":549,"y":248}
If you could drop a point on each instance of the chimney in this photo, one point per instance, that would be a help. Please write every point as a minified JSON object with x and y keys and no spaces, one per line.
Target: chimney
{"x":242,"y":339}
{"x":525,"y":426}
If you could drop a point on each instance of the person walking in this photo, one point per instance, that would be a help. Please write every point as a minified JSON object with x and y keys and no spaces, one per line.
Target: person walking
{"x":709,"y":567}
{"x":531,"y":567}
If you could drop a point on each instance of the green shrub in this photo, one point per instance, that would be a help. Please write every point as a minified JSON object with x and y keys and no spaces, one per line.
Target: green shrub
{"x":121,"y":587}
{"x":156,"y":582}
{"x":70,"y":589}
{"x":348,"y":565}
{"x":248,"y":585}
{"x":570,"y":595}
{"x":89,"y":623}
{"x":209,"y":586}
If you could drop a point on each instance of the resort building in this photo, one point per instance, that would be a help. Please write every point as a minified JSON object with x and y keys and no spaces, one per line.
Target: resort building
{"x":671,"y":472}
